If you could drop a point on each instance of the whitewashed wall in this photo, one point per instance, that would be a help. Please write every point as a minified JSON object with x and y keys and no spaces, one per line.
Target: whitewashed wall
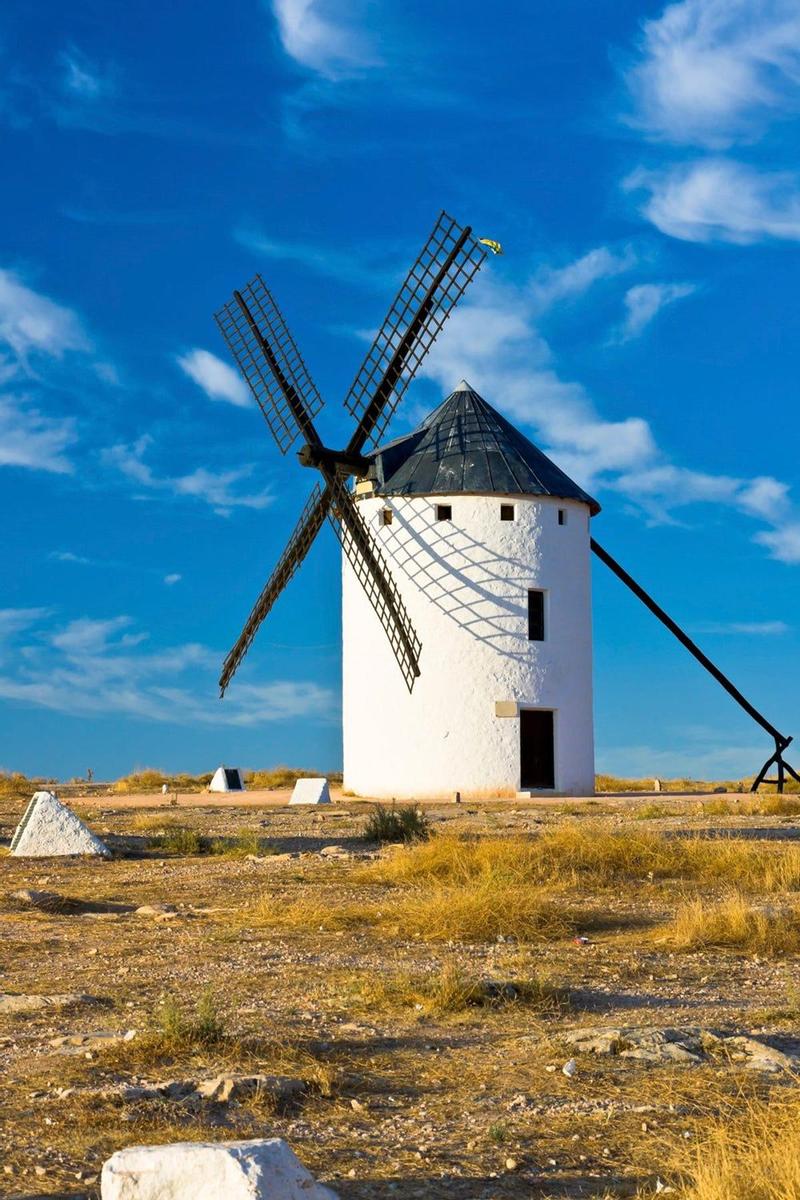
{"x":465,"y":585}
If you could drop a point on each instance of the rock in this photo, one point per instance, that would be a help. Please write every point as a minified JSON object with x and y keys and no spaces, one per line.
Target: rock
{"x":333,"y":851}
{"x":48,"y":901}
{"x":569,"y":1068}
{"x":689,"y":1045}
{"x":11,"y":1004}
{"x":155,"y":910}
{"x":282,"y":1089}
{"x":72,"y":1043}
{"x":264,"y":1169}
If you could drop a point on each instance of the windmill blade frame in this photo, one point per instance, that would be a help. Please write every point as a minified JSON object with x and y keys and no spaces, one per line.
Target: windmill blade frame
{"x":372,"y":572}
{"x":305,"y":531}
{"x":271,"y":364}
{"x":441,"y":273}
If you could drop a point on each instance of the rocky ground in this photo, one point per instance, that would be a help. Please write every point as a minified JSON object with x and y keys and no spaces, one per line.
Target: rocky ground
{"x":149,"y":999}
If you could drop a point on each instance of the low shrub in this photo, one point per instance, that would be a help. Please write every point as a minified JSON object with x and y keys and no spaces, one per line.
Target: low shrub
{"x":400,"y":823}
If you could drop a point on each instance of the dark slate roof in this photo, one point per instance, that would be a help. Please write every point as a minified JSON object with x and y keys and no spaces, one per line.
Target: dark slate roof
{"x":465,"y":445}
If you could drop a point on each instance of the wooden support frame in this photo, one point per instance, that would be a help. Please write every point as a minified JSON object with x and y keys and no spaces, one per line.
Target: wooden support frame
{"x":780,"y":739}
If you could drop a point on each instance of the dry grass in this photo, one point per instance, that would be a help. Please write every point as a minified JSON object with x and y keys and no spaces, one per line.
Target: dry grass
{"x":449,"y":989}
{"x":736,"y":923}
{"x":754,"y":1155}
{"x":285,"y":777}
{"x":482,"y":912}
{"x":573,"y":855}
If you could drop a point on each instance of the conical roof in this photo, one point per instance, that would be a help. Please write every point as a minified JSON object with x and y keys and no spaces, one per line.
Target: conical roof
{"x":465,"y":445}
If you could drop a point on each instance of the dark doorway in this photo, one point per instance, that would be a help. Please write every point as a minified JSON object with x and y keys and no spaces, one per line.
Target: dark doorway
{"x":536,"y":752}
{"x":233,"y":779}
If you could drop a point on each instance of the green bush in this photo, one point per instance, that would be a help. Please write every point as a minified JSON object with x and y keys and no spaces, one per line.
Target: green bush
{"x":400,"y":823}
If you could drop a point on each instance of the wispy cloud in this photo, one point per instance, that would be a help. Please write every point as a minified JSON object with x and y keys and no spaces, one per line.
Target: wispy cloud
{"x":32,"y":322}
{"x":172,"y":579}
{"x":745,"y":628}
{"x":220,"y":489}
{"x":89,"y":667}
{"x":326,"y":37}
{"x":644,"y":301}
{"x":718,"y":199}
{"x":84,"y":79}
{"x":494,"y":341}
{"x":218,"y":380}
{"x":366,"y":266}
{"x":551,"y":284}
{"x":32,"y":440}
{"x":714,"y":71}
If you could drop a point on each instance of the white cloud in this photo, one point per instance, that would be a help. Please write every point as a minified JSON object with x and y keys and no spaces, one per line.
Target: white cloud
{"x":98,"y":667}
{"x":783,"y":542}
{"x":217,"y":488}
{"x":325,"y":36}
{"x":68,"y":557}
{"x":30,"y":439}
{"x":172,"y":579}
{"x":551,"y":284}
{"x":31,"y":321}
{"x":712,"y":71}
{"x":717,"y":199}
{"x":644,"y":301}
{"x":218,"y":380}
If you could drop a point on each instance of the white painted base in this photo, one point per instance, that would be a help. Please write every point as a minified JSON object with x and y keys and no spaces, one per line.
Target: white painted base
{"x":311,"y":791}
{"x":49,"y":829}
{"x":264,"y":1169}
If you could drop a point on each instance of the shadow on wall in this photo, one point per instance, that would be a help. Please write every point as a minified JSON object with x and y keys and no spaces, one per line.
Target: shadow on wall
{"x":466,"y":581}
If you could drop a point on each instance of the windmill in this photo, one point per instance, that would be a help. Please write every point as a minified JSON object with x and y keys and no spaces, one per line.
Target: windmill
{"x":538,"y":546}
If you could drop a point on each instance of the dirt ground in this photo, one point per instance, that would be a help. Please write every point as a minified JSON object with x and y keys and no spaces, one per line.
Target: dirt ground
{"x":400,"y":1099}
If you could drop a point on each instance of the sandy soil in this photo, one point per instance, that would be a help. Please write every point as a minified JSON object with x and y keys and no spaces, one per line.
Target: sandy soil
{"x":401,"y":1102}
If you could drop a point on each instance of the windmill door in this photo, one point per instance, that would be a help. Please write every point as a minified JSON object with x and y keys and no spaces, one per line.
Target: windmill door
{"x":536,"y":750}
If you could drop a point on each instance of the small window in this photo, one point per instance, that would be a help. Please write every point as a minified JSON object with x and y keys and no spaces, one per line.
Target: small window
{"x":444,"y":512}
{"x":386,"y":516}
{"x":506,"y":512}
{"x":562,"y":516}
{"x":535,"y":616}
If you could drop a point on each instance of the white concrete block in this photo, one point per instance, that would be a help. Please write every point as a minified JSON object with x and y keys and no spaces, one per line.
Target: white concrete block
{"x":50,"y":829}
{"x":264,"y":1169}
{"x":311,"y":791}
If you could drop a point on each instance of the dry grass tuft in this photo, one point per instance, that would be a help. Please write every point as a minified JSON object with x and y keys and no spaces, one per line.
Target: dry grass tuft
{"x":735,"y":923}
{"x":577,"y":855}
{"x":481,"y":912}
{"x":403,"y":823}
{"x":450,"y":990}
{"x":754,"y":1155}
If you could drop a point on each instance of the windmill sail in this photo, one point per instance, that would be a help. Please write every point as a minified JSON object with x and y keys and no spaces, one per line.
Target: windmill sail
{"x":446,"y":266}
{"x":267,"y":356}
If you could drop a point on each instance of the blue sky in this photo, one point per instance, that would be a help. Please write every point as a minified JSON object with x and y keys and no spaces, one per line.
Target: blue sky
{"x":638,"y":164}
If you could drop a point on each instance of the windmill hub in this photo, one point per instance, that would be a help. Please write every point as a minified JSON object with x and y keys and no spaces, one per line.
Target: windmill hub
{"x":344,"y":462}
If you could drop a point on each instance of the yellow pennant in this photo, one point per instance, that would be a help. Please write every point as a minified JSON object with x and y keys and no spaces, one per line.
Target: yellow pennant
{"x":495,"y":247}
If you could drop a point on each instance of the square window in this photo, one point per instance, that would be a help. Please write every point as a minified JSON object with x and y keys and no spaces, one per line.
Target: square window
{"x":506,"y":512}
{"x":386,"y":516}
{"x":535,"y":616}
{"x":562,"y":516}
{"x":444,"y":512}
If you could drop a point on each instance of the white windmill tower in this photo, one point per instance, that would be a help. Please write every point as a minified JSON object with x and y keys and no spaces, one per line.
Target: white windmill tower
{"x":466,"y":561}
{"x":488,"y":543}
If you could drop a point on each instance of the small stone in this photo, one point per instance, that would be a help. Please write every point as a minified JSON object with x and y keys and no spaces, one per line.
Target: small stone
{"x":569,"y":1068}
{"x":511,"y":1164}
